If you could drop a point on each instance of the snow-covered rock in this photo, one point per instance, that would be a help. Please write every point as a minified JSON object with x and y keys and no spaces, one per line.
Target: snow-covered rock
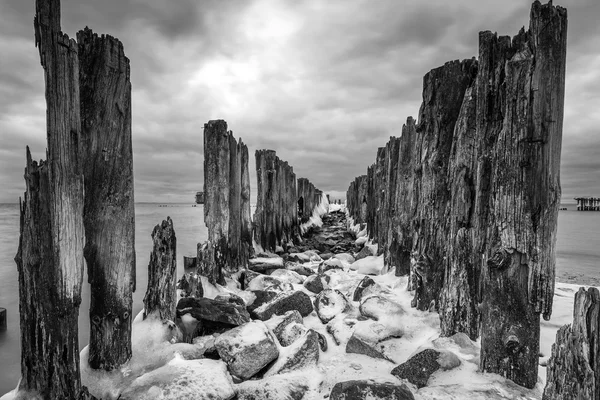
{"x":302,"y":353}
{"x":287,"y":276}
{"x":247,"y":349}
{"x":345,"y":257}
{"x":371,"y":265}
{"x":316,"y":283}
{"x":268,"y":283}
{"x":278,"y":323}
{"x":290,"y":386}
{"x":422,"y":365}
{"x":284,"y":302}
{"x":371,"y":390}
{"x":377,"y":307}
{"x":358,"y":346}
{"x":330,"y":303}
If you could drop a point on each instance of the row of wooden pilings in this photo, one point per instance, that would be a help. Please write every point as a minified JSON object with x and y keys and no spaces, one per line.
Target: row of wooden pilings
{"x":466,"y":200}
{"x":588,"y":203}
{"x":78,"y":209}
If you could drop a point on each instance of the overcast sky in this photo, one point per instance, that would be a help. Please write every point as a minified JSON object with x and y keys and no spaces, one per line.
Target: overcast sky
{"x":324,"y":83}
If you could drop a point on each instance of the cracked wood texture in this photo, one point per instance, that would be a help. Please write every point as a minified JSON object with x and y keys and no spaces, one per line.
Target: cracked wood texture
{"x":356,"y":199}
{"x":574,"y":368}
{"x":50,"y":255}
{"x":520,"y":103}
{"x":109,"y":214}
{"x":308,"y":199}
{"x":227,"y":204}
{"x":160,"y":300}
{"x":275,"y":220}
{"x":443,"y":92}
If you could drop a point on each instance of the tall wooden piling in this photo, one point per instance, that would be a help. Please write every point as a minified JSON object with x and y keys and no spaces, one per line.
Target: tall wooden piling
{"x":226,"y":189}
{"x":50,"y":255}
{"x":308,"y":198}
{"x":109,"y":215}
{"x":160,"y":300}
{"x":522,"y":190}
{"x":3,"y":322}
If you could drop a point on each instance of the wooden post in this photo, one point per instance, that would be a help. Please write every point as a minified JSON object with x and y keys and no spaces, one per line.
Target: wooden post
{"x":443,"y":92}
{"x":190,"y":264}
{"x":109,"y":214}
{"x":3,"y":323}
{"x":520,"y":187}
{"x":226,"y":195}
{"x":574,"y":367}
{"x":160,"y":300}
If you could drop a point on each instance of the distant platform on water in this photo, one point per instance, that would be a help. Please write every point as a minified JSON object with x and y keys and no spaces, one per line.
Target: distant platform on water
{"x":588,"y":203}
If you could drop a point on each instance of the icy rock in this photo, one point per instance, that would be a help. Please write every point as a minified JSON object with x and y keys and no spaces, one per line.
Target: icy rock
{"x":183,"y":380}
{"x":422,"y":365}
{"x":304,"y":257}
{"x":303,"y":353}
{"x":277,"y":387}
{"x":368,"y":266}
{"x":361,"y":241}
{"x":376,"y":331}
{"x":260,"y":297}
{"x":358,"y":346}
{"x":212,"y":315}
{"x":269,"y":283}
{"x":332,"y":263}
{"x":291,"y":333}
{"x":231,"y":298}
{"x":287,"y":276}
{"x":247,"y":277}
{"x":371,"y":390}
{"x":348,"y":258}
{"x":278,"y":323}
{"x":330,"y":303}
{"x":461,"y":342}
{"x":326,"y":256}
{"x":358,"y":292}
{"x":377,"y":307}
{"x":322,"y":341}
{"x":285,"y":302}
{"x":300,"y":269}
{"x":247,"y":349}
{"x":341,"y":328}
{"x":316,"y":283}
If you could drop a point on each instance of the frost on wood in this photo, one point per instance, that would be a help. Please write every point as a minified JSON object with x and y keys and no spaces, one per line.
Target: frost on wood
{"x":227,"y":204}
{"x":109,"y":215}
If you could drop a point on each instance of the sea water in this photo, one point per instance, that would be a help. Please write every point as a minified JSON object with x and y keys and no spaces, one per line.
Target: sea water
{"x":578,"y":261}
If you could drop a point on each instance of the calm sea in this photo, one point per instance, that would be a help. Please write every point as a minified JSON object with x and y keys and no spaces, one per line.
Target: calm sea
{"x":578,"y":261}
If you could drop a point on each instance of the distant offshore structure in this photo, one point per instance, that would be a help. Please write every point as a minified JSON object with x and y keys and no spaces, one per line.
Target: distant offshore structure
{"x":588,"y":203}
{"x":199,"y":197}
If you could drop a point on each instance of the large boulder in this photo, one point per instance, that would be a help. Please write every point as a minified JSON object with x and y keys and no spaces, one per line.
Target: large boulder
{"x":284,"y":302}
{"x":360,"y":289}
{"x":260,"y":297}
{"x":378,"y":307}
{"x":268,"y":283}
{"x":247,"y":349}
{"x":422,"y":365}
{"x":287,"y":276}
{"x":316,"y":283}
{"x":371,"y":390}
{"x":373,"y":332}
{"x":210,"y":315}
{"x":183,"y":379}
{"x":302,"y":353}
{"x":330,"y":303}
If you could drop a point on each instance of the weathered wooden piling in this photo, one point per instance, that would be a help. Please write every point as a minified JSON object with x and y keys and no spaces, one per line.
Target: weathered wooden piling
{"x":522,"y":189}
{"x":356,"y":199}
{"x":3,"y":322}
{"x":226,"y":207}
{"x":308,"y":198}
{"x":50,"y":255}
{"x":443,"y":92}
{"x":109,"y":215}
{"x":161,"y":296}
{"x":275,"y":220}
{"x":574,"y":368}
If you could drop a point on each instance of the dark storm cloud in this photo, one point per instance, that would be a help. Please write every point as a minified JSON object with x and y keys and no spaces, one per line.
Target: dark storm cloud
{"x":323,"y":83}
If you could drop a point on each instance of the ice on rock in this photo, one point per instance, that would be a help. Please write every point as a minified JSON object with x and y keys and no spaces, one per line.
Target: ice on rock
{"x":316,"y":283}
{"x":291,"y":333}
{"x":305,"y":257}
{"x":247,"y":349}
{"x":348,"y":258}
{"x":341,"y":328}
{"x":274,"y":261}
{"x":302,"y":353}
{"x":183,"y":380}
{"x":284,"y":302}
{"x":374,"y":332}
{"x":268,"y":283}
{"x":378,"y":307}
{"x":371,"y":265}
{"x":291,"y":386}
{"x":278,"y":323}
{"x":371,"y":390}
{"x":330,"y":303}
{"x":287,"y":276}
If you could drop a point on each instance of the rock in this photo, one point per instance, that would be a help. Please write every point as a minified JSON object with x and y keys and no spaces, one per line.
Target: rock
{"x":376,"y":331}
{"x":304,"y":257}
{"x":247,"y":277}
{"x":332,"y":263}
{"x":261,"y":297}
{"x":247,"y":349}
{"x":285,"y":302}
{"x":345,"y":257}
{"x":330,"y":303}
{"x":377,"y":307}
{"x":183,"y":379}
{"x":300,"y":269}
{"x":365,"y":283}
{"x":421,"y":366}
{"x":326,"y":256}
{"x":363,"y":253}
{"x":287,"y":276}
{"x":368,"y":266}
{"x":278,"y":323}
{"x":268,"y":283}
{"x":461,"y":342}
{"x":291,"y":333}
{"x":371,"y":390}
{"x":340,"y":328}
{"x":211,"y":315}
{"x":358,"y":346}
{"x":322,"y":341}
{"x":303,"y":353}
{"x":231,"y":298}
{"x":316,"y":283}
{"x":276,"y":387}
